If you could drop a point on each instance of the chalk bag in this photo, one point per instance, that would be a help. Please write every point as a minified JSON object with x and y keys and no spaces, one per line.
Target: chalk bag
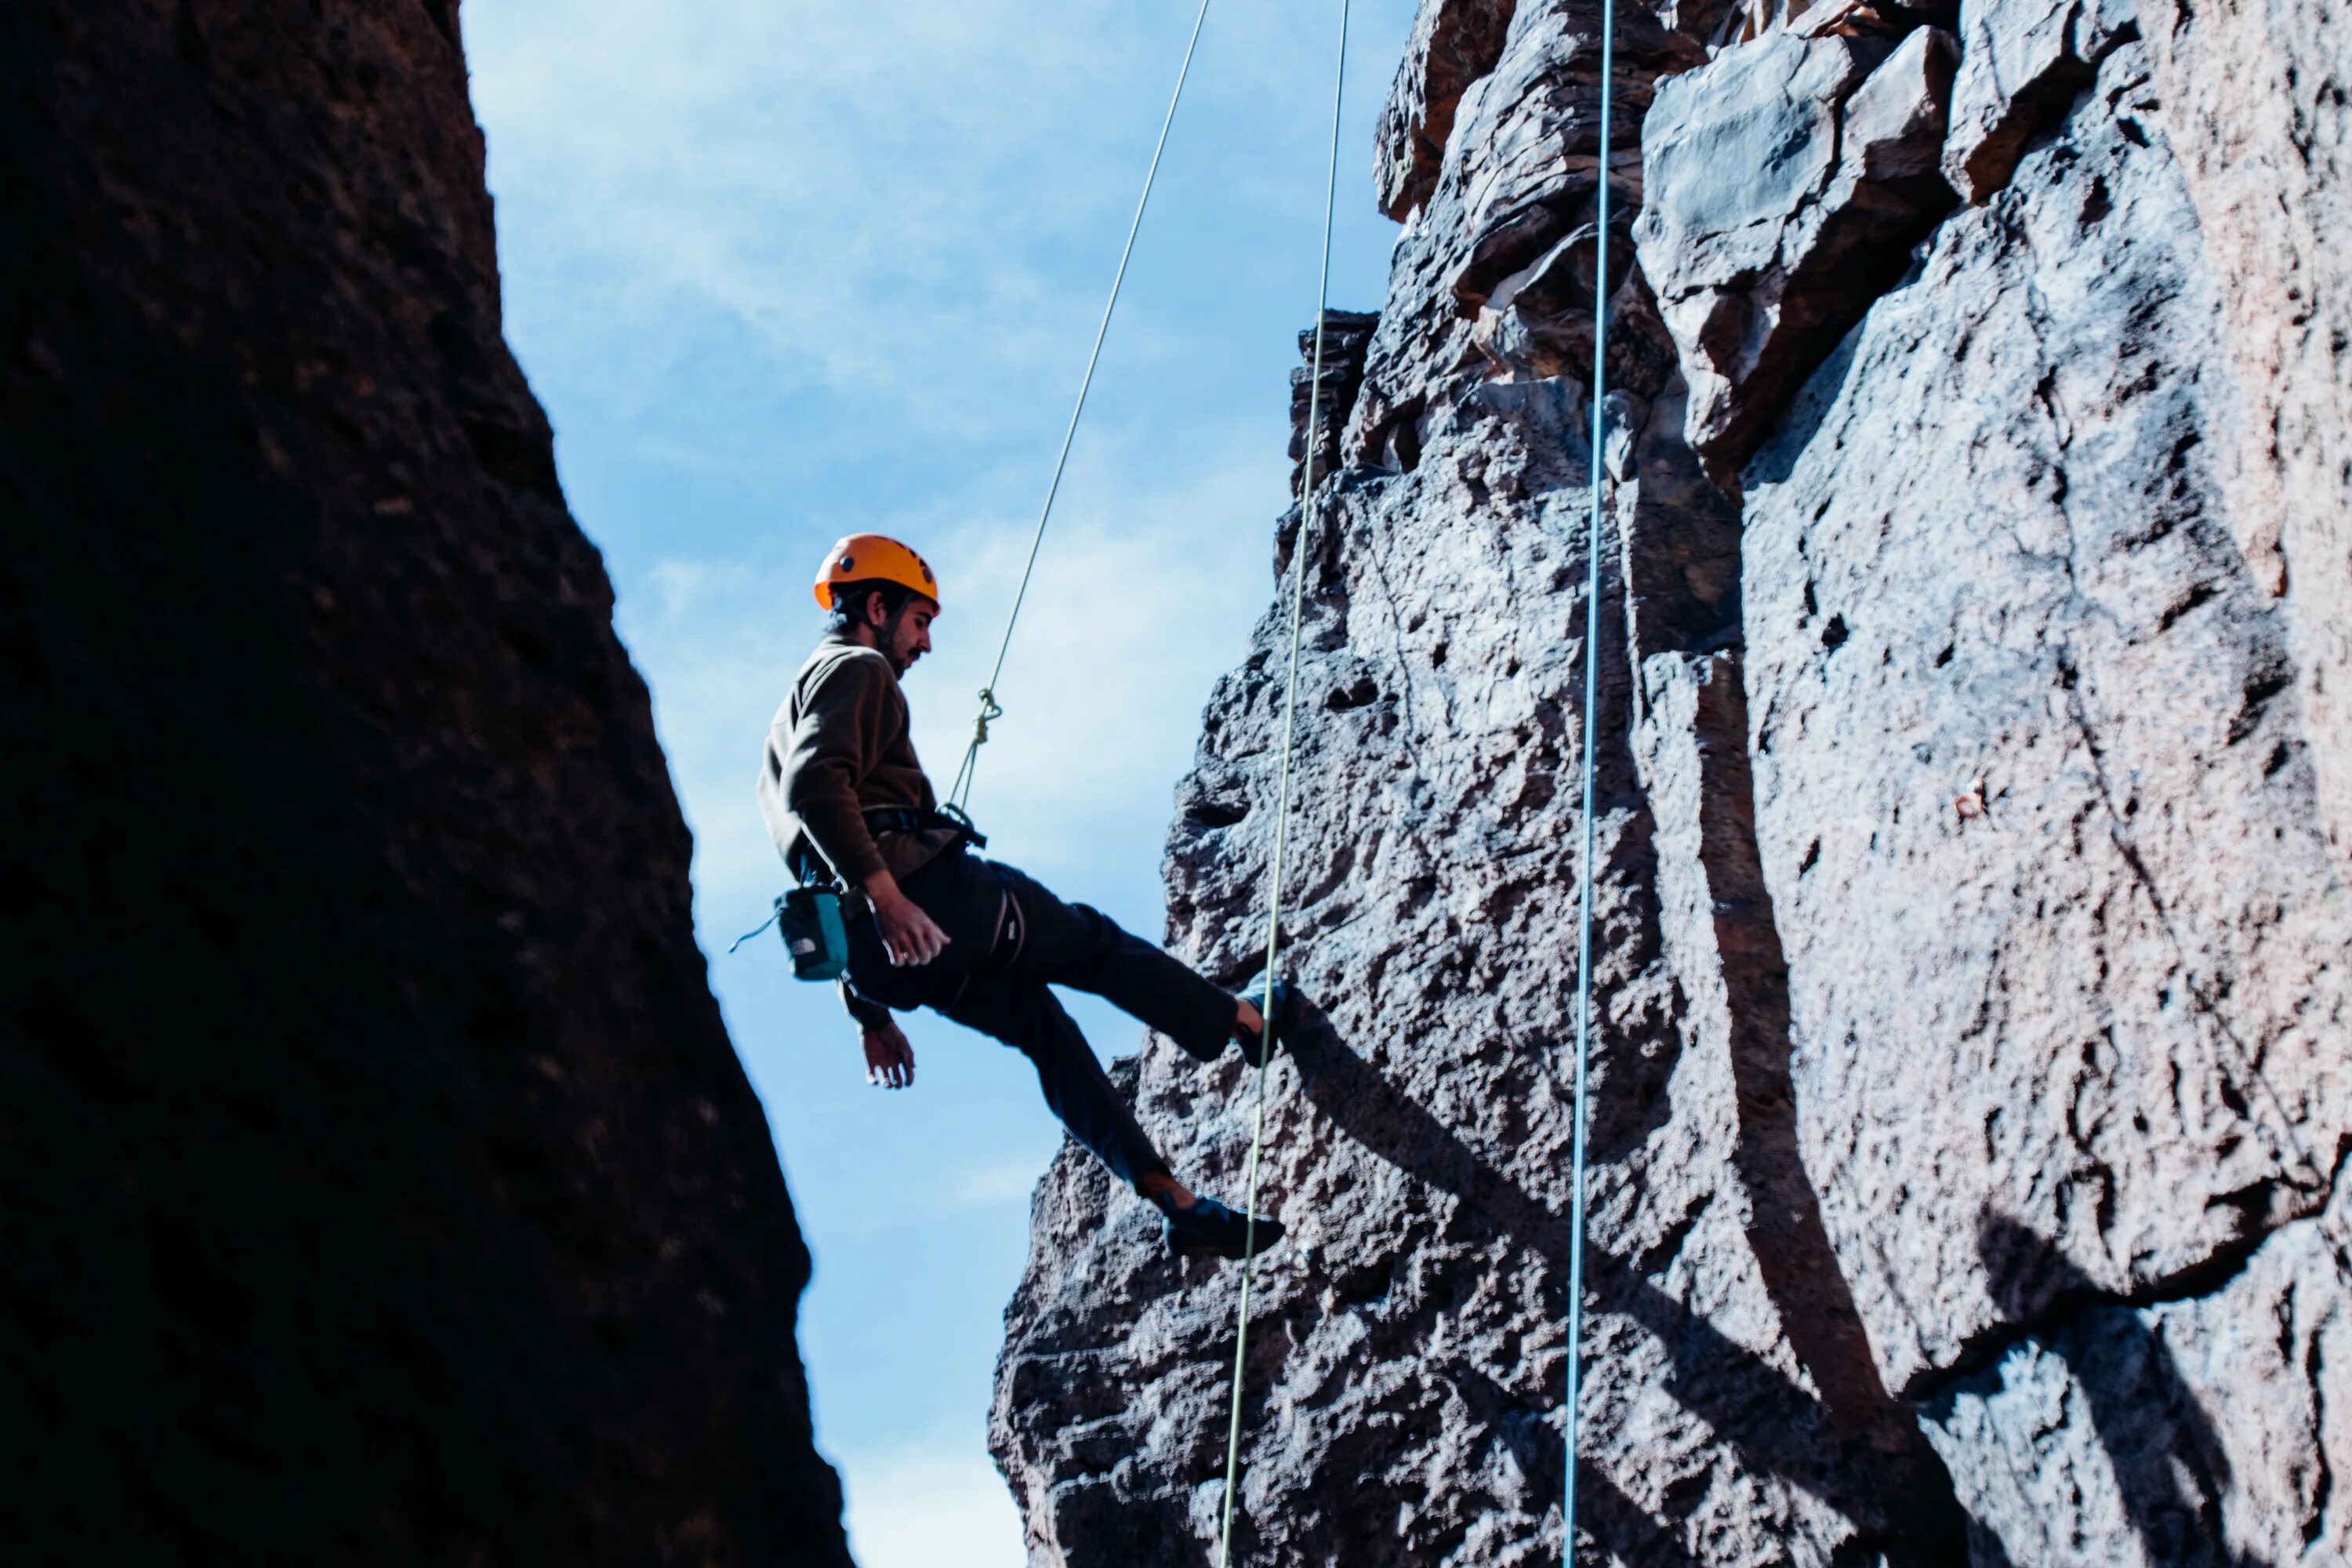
{"x":810,"y":918}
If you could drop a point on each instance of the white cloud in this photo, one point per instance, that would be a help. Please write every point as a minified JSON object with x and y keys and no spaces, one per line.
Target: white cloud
{"x":986,"y":1187}
{"x":788,"y":169}
{"x":973,"y":1189}
{"x":930,"y":1505}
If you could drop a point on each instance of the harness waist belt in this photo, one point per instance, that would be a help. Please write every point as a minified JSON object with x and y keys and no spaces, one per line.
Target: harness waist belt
{"x":916,"y":819}
{"x":811,"y":869}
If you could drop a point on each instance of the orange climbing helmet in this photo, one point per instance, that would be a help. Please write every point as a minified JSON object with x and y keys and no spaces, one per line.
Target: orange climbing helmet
{"x":874,"y":558}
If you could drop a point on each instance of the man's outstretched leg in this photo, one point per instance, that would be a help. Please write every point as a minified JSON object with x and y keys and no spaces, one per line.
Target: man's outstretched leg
{"x":1076,"y":945}
{"x":1027,"y":1016}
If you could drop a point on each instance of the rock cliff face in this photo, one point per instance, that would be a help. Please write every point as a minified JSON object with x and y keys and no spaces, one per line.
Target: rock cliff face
{"x":376,"y":1180}
{"x":1974,"y":1064}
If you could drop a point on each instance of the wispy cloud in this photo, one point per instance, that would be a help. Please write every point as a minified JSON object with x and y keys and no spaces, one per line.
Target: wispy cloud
{"x":1007,"y":1180}
{"x":877,"y":201}
{"x":930,"y":1504}
{"x":971,"y":1189}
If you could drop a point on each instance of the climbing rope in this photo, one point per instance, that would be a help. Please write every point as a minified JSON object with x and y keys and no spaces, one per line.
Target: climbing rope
{"x":960,"y":792}
{"x":1591,"y":838}
{"x":1299,"y":569}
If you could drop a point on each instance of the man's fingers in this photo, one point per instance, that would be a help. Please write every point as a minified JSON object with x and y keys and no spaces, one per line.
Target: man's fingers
{"x":917,"y":945}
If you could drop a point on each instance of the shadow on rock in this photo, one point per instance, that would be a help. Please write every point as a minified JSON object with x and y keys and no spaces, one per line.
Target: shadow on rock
{"x":1777,"y":1427}
{"x":2170,"y":1466}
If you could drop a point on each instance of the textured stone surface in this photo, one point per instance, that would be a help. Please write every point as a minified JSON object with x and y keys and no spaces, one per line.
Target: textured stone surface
{"x":1454,"y":43}
{"x":1407,"y":1355}
{"x":2025,"y":62}
{"x":1789,"y":175}
{"x":1407,"y":1345}
{"x":2131,"y":958}
{"x":2257,"y":104}
{"x":1346,"y":335}
{"x":1511,"y":224}
{"x":2210,"y":1429}
{"x":1973,"y":1021}
{"x":376,"y":1181}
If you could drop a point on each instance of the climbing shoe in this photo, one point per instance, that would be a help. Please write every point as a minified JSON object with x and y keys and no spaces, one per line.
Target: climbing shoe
{"x":1278,"y":1014}
{"x":1210,"y":1229}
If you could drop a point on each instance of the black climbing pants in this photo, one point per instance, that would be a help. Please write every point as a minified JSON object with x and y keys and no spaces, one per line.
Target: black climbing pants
{"x":1009,"y":941}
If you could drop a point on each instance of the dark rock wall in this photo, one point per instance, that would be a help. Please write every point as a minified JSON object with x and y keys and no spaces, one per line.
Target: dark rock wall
{"x":377,"y":1180}
{"x":1974,"y":1016}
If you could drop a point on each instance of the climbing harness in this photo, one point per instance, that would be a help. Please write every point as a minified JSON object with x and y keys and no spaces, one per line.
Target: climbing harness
{"x":1591,"y":838}
{"x":811,"y":917}
{"x":923,"y":819}
{"x":960,"y":792}
{"x":1299,"y":555}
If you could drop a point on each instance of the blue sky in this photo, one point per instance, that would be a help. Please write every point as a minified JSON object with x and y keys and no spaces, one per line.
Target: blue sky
{"x":784,"y":271}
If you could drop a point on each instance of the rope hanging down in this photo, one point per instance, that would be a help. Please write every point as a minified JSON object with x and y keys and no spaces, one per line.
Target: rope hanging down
{"x":1584,"y":876}
{"x":1298,"y":568}
{"x":960,"y":792}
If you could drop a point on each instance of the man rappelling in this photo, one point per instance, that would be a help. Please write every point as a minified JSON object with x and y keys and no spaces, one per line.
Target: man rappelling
{"x":927,"y":922}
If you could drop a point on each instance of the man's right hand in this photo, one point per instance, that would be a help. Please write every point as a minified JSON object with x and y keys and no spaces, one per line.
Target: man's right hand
{"x":909,"y":936}
{"x":889,"y":1059}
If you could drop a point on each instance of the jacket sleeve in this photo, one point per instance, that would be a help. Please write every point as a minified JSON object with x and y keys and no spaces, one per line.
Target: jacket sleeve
{"x":870,"y":1014}
{"x":842,"y":728}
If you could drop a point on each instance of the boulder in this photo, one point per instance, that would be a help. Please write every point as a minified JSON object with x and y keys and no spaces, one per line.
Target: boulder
{"x":1513,"y":213}
{"x":2022,"y":61}
{"x":1454,"y":43}
{"x":1788,"y":179}
{"x":2039,"y":817}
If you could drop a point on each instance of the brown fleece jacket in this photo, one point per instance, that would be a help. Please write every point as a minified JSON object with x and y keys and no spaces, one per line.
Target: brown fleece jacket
{"x":841,"y":744}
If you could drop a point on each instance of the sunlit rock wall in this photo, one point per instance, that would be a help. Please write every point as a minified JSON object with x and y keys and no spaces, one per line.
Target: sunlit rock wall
{"x":1971,"y":1070}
